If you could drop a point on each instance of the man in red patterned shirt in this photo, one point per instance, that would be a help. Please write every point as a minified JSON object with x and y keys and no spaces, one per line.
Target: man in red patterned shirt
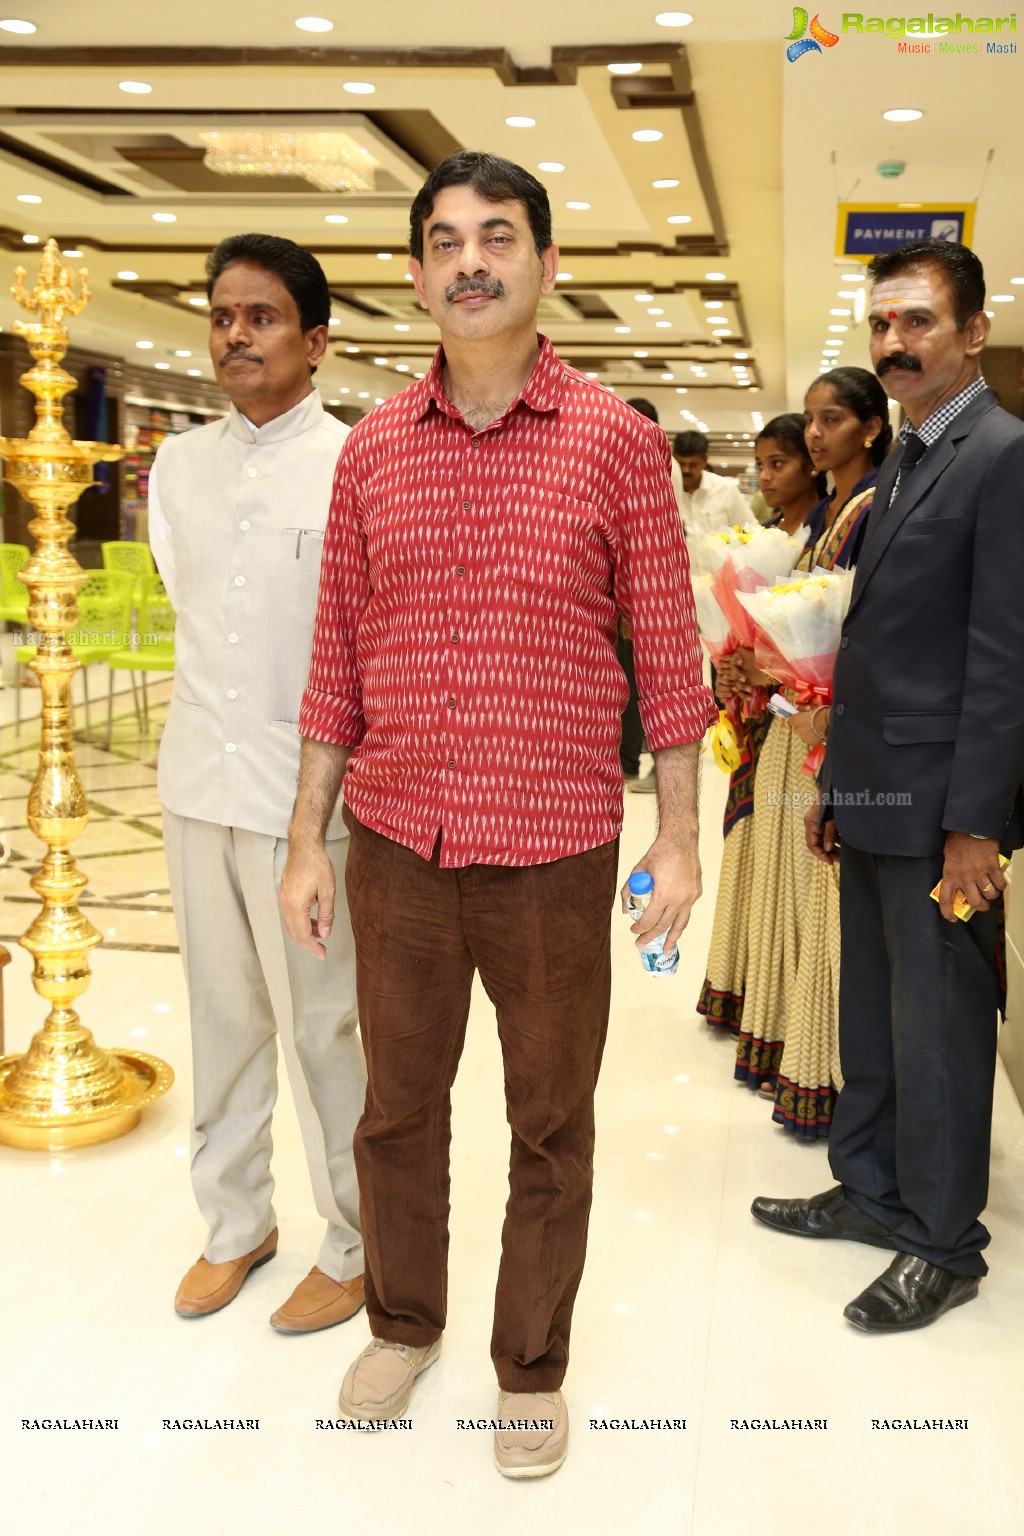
{"x":487,"y":525}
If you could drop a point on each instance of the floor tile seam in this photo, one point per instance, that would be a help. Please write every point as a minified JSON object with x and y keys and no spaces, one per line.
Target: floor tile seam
{"x":710,"y":1325}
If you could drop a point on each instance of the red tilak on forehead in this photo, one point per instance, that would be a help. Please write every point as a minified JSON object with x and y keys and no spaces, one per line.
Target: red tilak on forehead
{"x":892,"y":314}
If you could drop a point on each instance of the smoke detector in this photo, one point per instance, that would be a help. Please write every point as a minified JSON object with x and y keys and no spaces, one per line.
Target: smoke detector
{"x":891,"y":168}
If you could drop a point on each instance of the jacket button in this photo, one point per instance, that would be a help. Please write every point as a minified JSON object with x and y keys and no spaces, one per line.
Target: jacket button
{"x":840,"y":709}
{"x":844,"y":642}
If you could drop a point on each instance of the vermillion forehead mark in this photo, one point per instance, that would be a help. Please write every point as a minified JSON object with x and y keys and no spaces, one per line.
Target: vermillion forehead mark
{"x":892,"y":314}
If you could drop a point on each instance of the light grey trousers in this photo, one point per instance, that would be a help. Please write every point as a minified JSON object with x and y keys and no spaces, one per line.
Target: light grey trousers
{"x":249,"y":985}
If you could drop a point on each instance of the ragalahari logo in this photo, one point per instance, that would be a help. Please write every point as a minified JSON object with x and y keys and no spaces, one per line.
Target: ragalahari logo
{"x":800,"y":43}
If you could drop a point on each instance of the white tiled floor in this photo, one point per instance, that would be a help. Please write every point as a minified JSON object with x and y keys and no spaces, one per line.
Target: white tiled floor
{"x":687,"y":1310}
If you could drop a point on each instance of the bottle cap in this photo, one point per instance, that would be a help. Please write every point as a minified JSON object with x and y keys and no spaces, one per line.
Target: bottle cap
{"x":641,"y":883}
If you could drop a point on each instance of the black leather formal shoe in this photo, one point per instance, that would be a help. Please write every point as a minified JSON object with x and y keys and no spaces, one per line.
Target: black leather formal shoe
{"x":827,"y":1215}
{"x":911,"y":1294}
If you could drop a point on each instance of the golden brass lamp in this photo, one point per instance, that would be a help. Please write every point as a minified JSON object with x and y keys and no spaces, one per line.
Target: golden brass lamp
{"x":65,"y":1091}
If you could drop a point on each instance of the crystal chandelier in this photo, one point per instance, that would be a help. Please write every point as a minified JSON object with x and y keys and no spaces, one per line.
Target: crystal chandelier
{"x":331,"y":162}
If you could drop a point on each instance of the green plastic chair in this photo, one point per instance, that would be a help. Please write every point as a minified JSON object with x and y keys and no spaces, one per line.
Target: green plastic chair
{"x":13,"y":593}
{"x":132,"y":556}
{"x":154,"y":651}
{"x":104,"y":624}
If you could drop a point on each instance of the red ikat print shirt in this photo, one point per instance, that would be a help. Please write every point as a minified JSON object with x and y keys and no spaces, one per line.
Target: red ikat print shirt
{"x":465,"y":630}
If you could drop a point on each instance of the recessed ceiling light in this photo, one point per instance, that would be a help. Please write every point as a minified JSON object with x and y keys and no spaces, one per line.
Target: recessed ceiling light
{"x":681,"y":390}
{"x":364,"y":394}
{"x":989,"y":312}
{"x":1017,"y":280}
{"x":679,"y":218}
{"x":401,"y":367}
{"x":183,"y":352}
{"x":624,"y":69}
{"x":662,"y":325}
{"x":580,"y":207}
{"x":381,"y":362}
{"x":161,"y":366}
{"x":28,"y":197}
{"x":643,"y":298}
{"x":550,"y":165}
{"x":351,"y":349}
{"x":715,"y":277}
{"x":648,"y":135}
{"x":198,"y":301}
{"x":335,"y":401}
{"x":24,"y":27}
{"x":127,"y":276}
{"x":666,"y":181}
{"x":668,"y":377}
{"x":344,"y":390}
{"x":144,"y":346}
{"x":852,"y":277}
{"x":673,"y":18}
{"x":384,"y":255}
{"x":73,"y":253}
{"x":721,"y":333}
{"x":640,"y":354}
{"x":314,"y":24}
{"x":358,"y":87}
{"x":134,"y":87}
{"x":30,"y":239}
{"x":839,"y":311}
{"x":334,"y":320}
{"x":1002,"y":298}
{"x":335,"y":218}
{"x":846,"y":293}
{"x":655,"y":311}
{"x":520,"y":122}
{"x":714,"y":304}
{"x":407,"y":276}
{"x":622,"y":330}
{"x":591,"y":375}
{"x":378,"y":400}
{"x":902,"y":115}
{"x":165,"y":218}
{"x":194,"y":373}
{"x":741,"y":354}
{"x":563,"y":277}
{"x":401,"y":326}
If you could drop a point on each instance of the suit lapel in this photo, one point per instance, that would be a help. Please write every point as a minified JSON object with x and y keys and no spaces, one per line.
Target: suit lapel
{"x":885,"y":522}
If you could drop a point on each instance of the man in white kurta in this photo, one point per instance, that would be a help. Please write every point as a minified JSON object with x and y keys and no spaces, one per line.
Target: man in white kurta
{"x":709,"y":502}
{"x":237,"y":516}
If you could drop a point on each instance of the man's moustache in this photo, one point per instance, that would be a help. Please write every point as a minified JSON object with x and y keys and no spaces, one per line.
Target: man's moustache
{"x":899,"y":360}
{"x":496,"y":289}
{"x":230,"y":357}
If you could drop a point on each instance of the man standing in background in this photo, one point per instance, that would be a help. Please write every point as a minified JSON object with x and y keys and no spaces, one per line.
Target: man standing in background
{"x":709,"y":501}
{"x":237,"y":515}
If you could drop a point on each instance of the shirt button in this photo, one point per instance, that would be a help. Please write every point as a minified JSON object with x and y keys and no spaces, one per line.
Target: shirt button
{"x":244,"y":526}
{"x":844,"y":642}
{"x":460,"y":570}
{"x":239,"y":581}
{"x":466,"y":506}
{"x":451,"y":762}
{"x":232,"y":639}
{"x":232,"y":693}
{"x":840,"y":709}
{"x":229,"y":746}
{"x":455,"y":637}
{"x":252,"y":472}
{"x":451,"y":703}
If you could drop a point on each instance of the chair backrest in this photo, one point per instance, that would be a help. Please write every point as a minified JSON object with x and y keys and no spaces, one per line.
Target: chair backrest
{"x":156,"y":616}
{"x":129,"y":555}
{"x":104,"y":610}
{"x":12,"y":558}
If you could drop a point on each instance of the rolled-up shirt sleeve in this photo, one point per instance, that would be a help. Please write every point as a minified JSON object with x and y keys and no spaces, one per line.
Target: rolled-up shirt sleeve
{"x":332,"y":704}
{"x":653,"y":591}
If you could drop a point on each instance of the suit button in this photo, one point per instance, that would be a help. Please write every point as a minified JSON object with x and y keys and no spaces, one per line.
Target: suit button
{"x":840,"y":709}
{"x":844,"y":642}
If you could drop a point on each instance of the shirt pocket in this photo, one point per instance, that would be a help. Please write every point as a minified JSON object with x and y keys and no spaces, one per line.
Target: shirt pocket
{"x":552,"y":542}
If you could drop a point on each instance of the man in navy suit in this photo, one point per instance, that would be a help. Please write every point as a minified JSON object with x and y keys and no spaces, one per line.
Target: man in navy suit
{"x":923,"y":779}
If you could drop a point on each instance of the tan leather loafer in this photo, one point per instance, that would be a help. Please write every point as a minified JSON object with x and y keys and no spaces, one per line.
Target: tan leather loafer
{"x":208,"y":1287}
{"x":319,"y":1302}
{"x":534,"y":1438}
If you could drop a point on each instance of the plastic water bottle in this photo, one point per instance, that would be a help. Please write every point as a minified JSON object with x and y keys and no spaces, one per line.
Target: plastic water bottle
{"x":653,"y":957}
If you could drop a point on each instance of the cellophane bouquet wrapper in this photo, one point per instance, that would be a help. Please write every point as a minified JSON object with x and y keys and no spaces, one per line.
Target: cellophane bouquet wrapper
{"x":797,"y":625}
{"x":748,"y":558}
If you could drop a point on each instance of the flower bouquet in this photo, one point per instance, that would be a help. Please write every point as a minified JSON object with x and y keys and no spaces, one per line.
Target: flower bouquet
{"x":796,"y":636}
{"x":747,"y":558}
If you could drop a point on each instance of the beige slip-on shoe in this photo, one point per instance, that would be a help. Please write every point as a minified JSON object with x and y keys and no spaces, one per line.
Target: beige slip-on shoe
{"x":208,"y":1287}
{"x":379,"y":1382}
{"x":319,"y":1302}
{"x":534,"y":1439}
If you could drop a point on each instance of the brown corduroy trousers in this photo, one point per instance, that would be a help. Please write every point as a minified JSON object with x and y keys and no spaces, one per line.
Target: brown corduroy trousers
{"x":540,"y":938}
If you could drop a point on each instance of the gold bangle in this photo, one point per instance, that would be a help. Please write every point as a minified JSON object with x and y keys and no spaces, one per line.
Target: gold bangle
{"x":821,"y":735}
